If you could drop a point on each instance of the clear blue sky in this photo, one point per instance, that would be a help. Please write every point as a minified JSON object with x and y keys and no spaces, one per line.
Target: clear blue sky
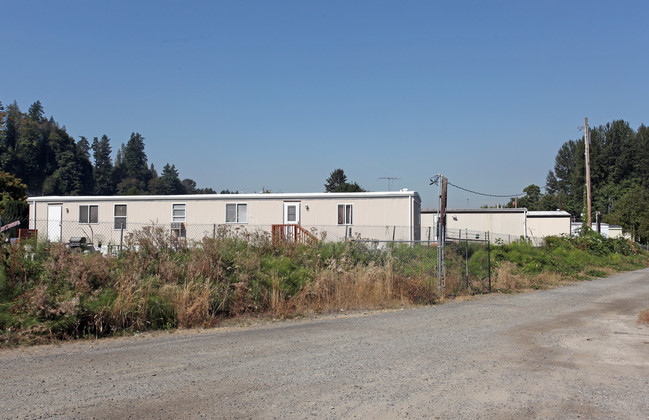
{"x":277,"y":94}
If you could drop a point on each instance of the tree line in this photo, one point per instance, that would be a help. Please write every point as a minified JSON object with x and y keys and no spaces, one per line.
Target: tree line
{"x":41,"y":153}
{"x":619,"y":167}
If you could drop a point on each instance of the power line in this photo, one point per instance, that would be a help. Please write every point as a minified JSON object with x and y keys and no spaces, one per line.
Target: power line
{"x":485,"y":194}
{"x":436,"y":178}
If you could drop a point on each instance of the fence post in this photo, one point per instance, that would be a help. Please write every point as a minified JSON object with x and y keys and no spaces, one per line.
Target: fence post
{"x":467,"y":257}
{"x":121,"y":239}
{"x":489,"y":258}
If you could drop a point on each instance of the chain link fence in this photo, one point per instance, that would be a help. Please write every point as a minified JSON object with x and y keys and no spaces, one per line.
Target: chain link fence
{"x":106,"y":237}
{"x":466,"y":260}
{"x":466,"y":254}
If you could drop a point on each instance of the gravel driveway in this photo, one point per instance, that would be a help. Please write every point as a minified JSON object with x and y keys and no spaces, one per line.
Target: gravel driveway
{"x":571,"y":352}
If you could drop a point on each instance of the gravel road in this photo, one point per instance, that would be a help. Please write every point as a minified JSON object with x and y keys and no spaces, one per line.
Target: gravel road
{"x":571,"y":352}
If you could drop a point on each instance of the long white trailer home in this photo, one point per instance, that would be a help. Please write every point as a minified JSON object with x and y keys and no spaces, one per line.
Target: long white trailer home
{"x":503,"y":224}
{"x":330,"y":216}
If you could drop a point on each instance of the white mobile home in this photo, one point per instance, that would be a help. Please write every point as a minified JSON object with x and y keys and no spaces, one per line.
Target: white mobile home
{"x":506,"y":224}
{"x":548,"y":223}
{"x":606,"y":230}
{"x":334,"y":216}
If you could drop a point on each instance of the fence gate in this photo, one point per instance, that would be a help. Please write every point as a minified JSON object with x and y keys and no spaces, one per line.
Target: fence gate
{"x":467,"y":263}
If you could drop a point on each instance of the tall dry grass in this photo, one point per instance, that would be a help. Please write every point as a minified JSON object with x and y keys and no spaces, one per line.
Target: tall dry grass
{"x":360,"y":287}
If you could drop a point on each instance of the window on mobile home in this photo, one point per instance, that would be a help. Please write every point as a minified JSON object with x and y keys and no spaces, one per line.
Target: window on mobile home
{"x":120,"y":216}
{"x":236,"y":213}
{"x":345,"y":214}
{"x":178,"y":219}
{"x":178,"y":213}
{"x":89,"y":214}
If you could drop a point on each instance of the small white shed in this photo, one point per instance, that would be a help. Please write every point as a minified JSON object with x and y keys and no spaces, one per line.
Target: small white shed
{"x":548,"y":223}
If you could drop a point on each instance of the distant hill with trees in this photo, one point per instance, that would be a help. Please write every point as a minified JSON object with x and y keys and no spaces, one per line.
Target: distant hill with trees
{"x":41,"y":153}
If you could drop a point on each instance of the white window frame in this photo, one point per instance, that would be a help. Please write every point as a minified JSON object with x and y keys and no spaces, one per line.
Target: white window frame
{"x":345,"y":221}
{"x":87,"y":213}
{"x":182,"y":231}
{"x":179,"y":219}
{"x":237,"y":215}
{"x":115,"y":216}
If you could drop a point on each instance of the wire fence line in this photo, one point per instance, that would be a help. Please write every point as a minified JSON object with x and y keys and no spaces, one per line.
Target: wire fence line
{"x":466,"y":263}
{"x":466,"y":266}
{"x":105,"y":234}
{"x":101,"y":234}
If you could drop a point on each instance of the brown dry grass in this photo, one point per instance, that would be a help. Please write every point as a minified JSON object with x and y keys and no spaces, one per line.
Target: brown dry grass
{"x":191,"y":303}
{"x":506,"y":279}
{"x":360,"y":287}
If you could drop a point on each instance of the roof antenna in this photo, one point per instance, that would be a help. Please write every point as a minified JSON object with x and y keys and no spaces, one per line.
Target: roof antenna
{"x":390,"y":179}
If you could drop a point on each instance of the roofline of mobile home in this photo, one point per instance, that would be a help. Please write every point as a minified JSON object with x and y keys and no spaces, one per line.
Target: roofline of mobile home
{"x":484,"y":211}
{"x":225,"y":197}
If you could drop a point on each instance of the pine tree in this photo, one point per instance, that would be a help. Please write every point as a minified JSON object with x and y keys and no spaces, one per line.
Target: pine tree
{"x":171,"y":184}
{"x":103,"y":168}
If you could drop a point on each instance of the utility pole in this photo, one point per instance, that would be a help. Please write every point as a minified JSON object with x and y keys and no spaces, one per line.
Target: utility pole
{"x":442,"y":235}
{"x":587,"y":149}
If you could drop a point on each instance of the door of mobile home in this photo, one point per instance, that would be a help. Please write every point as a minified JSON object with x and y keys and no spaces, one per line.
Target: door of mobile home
{"x":291,"y":217}
{"x":291,"y":212}
{"x":54,"y":219}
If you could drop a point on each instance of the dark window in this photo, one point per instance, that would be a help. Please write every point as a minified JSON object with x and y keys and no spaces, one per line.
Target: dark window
{"x":89,"y":214}
{"x":120,"y":216}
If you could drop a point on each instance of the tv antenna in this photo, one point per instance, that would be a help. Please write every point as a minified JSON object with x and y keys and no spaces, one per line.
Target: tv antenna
{"x":390,"y":179}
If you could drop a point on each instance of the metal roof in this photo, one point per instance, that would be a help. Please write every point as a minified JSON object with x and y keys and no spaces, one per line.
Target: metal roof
{"x":484,"y":210}
{"x":255,"y":196}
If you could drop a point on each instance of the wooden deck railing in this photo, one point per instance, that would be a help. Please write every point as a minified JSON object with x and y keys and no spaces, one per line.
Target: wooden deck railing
{"x":283,"y":234}
{"x":27,"y":233}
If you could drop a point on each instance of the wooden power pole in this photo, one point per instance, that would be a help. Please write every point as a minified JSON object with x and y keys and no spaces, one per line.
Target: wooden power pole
{"x":442,"y":236}
{"x":587,"y":149}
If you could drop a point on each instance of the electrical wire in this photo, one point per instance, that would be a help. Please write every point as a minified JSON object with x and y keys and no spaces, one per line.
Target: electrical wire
{"x":484,"y":194}
{"x":435,"y":180}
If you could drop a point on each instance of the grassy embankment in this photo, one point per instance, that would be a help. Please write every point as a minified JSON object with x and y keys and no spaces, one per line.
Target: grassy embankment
{"x":48,"y":293}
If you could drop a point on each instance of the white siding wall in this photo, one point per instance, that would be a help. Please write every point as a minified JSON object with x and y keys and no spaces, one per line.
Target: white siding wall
{"x":375,"y":215}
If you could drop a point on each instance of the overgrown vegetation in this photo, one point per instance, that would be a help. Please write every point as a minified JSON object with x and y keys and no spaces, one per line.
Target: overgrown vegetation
{"x":49,"y":293}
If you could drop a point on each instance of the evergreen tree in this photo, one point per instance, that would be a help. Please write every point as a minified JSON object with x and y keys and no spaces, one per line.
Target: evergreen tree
{"x":336,"y":178}
{"x":36,"y":112}
{"x":135,"y":159}
{"x":337,"y":182}
{"x":641,"y":153}
{"x":189,"y":186}
{"x":12,"y":124}
{"x":83,"y":159}
{"x":132,"y":165}
{"x":170,"y":182}
{"x":103,"y":168}
{"x":29,"y":153}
